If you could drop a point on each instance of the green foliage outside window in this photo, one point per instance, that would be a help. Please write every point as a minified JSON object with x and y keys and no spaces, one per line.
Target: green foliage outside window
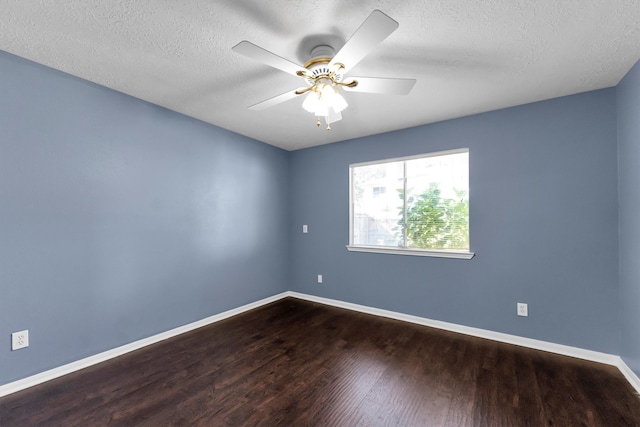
{"x":433,"y":222}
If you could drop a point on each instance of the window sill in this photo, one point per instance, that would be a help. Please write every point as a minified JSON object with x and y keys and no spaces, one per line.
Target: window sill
{"x":414,"y":252}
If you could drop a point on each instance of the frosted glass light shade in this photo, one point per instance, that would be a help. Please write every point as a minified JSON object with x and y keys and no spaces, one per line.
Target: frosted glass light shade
{"x":339,"y":103}
{"x":311,"y":102}
{"x":324,"y":100}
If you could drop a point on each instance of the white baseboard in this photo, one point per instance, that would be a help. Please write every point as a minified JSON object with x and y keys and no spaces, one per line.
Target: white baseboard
{"x":565,"y":350}
{"x":629,"y":374}
{"x":118,"y":351}
{"x":580,"y":353}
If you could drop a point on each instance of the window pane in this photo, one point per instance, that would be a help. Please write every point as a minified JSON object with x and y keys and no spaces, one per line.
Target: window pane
{"x":433,"y":214}
{"x":438,"y":202}
{"x":377,"y":204}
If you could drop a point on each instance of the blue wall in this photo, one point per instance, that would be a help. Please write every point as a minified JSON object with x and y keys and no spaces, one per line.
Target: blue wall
{"x":628,"y":96}
{"x":543,"y":224}
{"x":120,"y":220}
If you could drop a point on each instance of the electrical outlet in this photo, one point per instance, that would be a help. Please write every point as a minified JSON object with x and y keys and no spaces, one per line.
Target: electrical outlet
{"x":305,"y":228}
{"x":319,"y":278}
{"x":523,"y":309}
{"x":20,"y":340}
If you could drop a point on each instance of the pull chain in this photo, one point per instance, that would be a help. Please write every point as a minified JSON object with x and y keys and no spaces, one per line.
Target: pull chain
{"x":325,"y":119}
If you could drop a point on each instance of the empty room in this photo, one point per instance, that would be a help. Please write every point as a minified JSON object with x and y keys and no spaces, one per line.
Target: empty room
{"x":374,"y":213}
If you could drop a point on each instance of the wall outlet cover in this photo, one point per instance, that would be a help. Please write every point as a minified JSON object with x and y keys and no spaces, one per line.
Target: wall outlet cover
{"x":20,"y":339}
{"x":523,"y":309}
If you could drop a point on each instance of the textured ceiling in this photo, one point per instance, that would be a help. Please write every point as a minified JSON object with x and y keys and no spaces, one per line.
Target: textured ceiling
{"x":468,"y":56}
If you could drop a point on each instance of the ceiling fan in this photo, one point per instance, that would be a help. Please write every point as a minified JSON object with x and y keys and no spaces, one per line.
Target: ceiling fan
{"x":326,"y":71}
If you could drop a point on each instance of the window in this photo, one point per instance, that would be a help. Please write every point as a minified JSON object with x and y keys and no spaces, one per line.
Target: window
{"x":412,"y":206}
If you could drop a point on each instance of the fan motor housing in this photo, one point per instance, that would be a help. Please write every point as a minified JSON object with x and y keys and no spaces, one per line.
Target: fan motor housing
{"x":318,"y":65}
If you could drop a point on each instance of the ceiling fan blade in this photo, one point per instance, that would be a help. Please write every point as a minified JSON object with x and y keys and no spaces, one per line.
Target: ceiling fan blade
{"x":373,"y":30}
{"x":274,"y":101}
{"x":381,"y":85}
{"x":259,"y":54}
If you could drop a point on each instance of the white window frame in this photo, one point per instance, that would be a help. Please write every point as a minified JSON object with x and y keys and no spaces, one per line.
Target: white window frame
{"x":439,"y":253}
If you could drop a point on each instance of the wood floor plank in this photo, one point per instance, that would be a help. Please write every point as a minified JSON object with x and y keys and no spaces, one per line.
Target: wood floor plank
{"x":297,"y":363}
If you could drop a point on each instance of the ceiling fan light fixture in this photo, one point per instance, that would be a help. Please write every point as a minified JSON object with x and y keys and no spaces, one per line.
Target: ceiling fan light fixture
{"x":338,"y":101}
{"x":311,"y":102}
{"x":324,"y":100}
{"x":322,"y":110}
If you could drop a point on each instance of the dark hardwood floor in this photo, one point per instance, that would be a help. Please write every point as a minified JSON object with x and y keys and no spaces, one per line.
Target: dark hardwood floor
{"x":296,"y":363}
